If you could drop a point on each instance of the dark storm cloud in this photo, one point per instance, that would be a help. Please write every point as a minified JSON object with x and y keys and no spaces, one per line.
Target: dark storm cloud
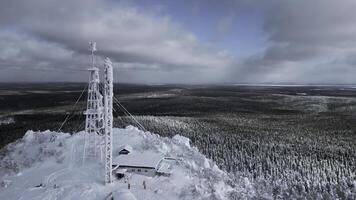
{"x":306,"y":41}
{"x":133,"y":37}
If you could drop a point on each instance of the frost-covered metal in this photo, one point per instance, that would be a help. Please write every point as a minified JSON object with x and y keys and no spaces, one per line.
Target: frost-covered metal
{"x":99,"y":116}
{"x":94,"y":122}
{"x":108,"y":105}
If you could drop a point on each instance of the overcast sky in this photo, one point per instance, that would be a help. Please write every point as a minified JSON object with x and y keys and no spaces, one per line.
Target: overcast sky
{"x":182,"y":41}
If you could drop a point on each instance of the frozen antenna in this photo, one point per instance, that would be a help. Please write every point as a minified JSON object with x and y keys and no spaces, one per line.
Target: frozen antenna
{"x":94,"y":122}
{"x":108,"y":105}
{"x":92,"y":47}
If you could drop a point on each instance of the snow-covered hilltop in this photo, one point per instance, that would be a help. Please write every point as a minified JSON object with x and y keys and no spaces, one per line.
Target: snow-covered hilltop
{"x":36,"y":168}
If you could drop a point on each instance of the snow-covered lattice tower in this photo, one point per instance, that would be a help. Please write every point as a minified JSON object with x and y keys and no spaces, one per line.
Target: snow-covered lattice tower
{"x":94,"y":123}
{"x":108,"y":105}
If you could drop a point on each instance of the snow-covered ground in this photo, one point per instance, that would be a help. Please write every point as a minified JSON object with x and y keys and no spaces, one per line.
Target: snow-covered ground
{"x":35,"y":168}
{"x":8,"y":120}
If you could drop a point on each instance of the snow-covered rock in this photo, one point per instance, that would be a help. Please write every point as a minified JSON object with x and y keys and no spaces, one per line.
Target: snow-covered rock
{"x":36,"y":168}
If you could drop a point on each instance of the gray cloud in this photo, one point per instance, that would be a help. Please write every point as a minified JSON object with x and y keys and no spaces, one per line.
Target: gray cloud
{"x":307,"y":42}
{"x":225,"y":23}
{"x":57,"y":33}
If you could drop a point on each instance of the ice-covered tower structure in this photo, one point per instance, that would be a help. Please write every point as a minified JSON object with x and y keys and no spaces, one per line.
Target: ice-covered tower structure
{"x":99,"y":116}
{"x":108,"y":105}
{"x":94,"y":122}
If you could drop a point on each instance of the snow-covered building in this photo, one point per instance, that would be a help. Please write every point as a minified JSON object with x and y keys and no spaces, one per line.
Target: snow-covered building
{"x":145,"y":163}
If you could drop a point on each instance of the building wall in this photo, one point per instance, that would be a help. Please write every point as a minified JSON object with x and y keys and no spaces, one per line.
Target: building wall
{"x":143,"y":171}
{"x":140,"y":170}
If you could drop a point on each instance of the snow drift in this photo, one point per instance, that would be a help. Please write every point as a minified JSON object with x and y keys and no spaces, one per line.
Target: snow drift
{"x":36,"y":168}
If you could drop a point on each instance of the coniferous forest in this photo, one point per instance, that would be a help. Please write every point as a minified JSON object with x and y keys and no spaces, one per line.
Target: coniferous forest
{"x":279,"y":142}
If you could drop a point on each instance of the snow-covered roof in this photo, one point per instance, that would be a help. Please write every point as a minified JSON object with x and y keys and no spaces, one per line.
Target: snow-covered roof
{"x":127,"y":147}
{"x":120,"y":171}
{"x":144,"y":159}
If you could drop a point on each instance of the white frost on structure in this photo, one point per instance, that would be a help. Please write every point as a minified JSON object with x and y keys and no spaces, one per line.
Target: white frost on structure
{"x":99,"y":117}
{"x":34,"y":168}
{"x":108,"y":105}
{"x":94,"y":122}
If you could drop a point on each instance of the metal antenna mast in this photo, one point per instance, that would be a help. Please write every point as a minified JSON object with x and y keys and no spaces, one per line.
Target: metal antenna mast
{"x":108,"y":107}
{"x":94,"y":123}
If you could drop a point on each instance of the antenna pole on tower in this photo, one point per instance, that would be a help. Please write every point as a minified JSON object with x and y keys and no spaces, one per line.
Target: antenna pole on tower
{"x":108,"y":107}
{"x":92,"y":49}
